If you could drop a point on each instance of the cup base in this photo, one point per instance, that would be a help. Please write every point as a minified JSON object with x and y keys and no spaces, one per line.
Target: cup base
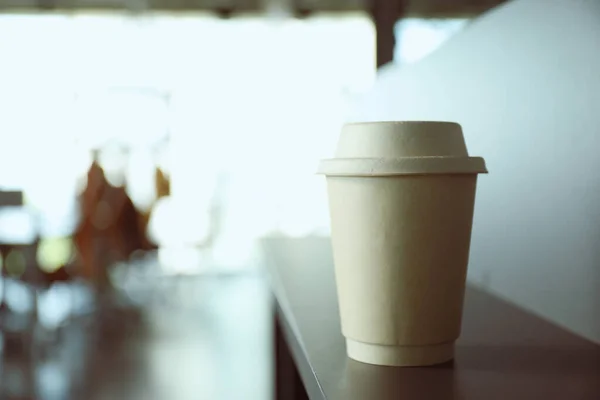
{"x":400,"y":356}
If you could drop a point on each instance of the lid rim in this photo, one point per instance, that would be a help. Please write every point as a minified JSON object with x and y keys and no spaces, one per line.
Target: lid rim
{"x":429,"y":165}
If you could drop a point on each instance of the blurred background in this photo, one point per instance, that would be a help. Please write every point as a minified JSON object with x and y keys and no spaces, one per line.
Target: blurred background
{"x":145,"y":147}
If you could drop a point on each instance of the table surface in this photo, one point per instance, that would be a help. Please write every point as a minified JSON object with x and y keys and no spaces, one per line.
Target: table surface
{"x":504,"y":352}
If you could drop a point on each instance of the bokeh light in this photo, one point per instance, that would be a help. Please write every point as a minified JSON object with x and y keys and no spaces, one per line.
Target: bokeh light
{"x":15,"y":263}
{"x":54,"y":252}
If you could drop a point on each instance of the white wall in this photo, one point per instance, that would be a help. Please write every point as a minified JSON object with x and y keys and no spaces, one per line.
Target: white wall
{"x":524,"y":81}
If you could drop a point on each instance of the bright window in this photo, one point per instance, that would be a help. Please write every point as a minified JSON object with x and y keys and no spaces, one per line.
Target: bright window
{"x":249,"y":104}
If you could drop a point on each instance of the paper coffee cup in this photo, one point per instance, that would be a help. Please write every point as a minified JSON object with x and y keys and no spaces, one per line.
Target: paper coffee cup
{"x":401,"y":198}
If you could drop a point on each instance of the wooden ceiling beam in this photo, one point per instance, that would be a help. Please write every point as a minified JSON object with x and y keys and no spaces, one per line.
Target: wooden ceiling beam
{"x":385,"y":14}
{"x":408,"y":8}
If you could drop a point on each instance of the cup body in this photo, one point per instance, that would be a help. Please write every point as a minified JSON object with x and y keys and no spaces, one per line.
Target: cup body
{"x":401,"y":197}
{"x":401,"y":249}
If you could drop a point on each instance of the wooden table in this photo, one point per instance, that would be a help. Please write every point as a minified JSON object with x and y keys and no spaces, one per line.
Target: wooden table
{"x":503,"y":353}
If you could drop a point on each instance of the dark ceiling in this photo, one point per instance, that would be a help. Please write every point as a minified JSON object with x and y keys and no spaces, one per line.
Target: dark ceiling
{"x":421,"y":8}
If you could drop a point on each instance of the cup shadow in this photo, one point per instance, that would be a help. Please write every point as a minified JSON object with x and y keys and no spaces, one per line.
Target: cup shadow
{"x":365,"y":381}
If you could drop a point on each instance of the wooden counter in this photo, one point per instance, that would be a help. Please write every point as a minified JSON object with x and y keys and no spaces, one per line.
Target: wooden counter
{"x":504,"y":352}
